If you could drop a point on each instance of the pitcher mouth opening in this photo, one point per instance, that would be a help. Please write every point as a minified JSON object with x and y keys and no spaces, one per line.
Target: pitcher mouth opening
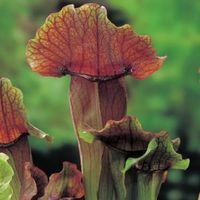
{"x":127,"y":71}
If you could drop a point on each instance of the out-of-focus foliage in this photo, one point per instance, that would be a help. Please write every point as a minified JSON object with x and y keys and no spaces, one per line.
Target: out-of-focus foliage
{"x":168,"y":100}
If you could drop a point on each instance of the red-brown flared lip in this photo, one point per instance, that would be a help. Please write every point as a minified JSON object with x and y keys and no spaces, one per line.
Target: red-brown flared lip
{"x":67,"y":43}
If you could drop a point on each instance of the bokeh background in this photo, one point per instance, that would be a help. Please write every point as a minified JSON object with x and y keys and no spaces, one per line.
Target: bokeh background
{"x":168,"y":100}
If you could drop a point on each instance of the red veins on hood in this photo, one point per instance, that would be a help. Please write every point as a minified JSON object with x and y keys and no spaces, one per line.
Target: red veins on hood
{"x":83,"y":42}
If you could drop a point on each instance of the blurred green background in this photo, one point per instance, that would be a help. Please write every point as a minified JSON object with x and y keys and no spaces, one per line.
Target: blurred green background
{"x":168,"y":100}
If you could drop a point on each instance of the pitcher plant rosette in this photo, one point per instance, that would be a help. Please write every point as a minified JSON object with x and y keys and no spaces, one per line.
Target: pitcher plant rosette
{"x":119,"y":160}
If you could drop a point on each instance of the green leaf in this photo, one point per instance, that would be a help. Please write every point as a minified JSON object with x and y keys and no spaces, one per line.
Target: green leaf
{"x":6,"y":174}
{"x":86,"y":136}
{"x":183,"y":164}
{"x":129,"y":163}
{"x":160,"y":155}
{"x":7,"y":193}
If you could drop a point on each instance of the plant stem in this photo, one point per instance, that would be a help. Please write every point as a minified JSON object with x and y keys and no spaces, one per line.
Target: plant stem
{"x":93,"y":104}
{"x":148,"y":185}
